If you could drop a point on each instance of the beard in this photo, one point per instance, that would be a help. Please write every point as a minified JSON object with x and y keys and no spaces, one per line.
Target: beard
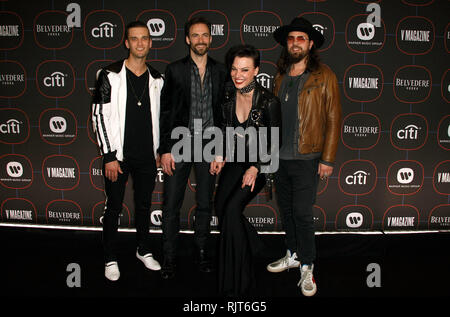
{"x":294,"y":58}
{"x":200,"y":51}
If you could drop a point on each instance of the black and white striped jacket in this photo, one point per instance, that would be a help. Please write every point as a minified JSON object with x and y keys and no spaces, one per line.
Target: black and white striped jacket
{"x":109,"y":108}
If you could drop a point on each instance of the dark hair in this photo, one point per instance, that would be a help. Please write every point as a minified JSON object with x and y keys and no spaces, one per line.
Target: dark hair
{"x":135,"y":24}
{"x":242,"y":51}
{"x":196,"y":20}
{"x":312,"y":63}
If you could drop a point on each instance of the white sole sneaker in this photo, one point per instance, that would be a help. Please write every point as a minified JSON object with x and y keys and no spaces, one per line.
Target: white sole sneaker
{"x":149,"y":262}
{"x":279,"y":269}
{"x":112,"y":272}
{"x":285,"y":263}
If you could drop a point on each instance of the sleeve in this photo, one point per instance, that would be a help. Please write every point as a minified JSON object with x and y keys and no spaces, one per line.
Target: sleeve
{"x":101,"y":112}
{"x":333,"y":120}
{"x":272,"y":119}
{"x":165,"y":118}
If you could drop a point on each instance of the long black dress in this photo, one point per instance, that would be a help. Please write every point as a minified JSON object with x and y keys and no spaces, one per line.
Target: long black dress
{"x":239,"y":241}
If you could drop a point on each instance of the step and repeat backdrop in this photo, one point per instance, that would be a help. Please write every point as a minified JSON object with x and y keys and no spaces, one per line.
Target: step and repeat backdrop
{"x":391,"y":59}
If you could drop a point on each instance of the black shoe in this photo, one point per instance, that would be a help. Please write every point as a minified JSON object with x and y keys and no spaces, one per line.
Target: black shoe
{"x":168,"y":269}
{"x":204,"y":263}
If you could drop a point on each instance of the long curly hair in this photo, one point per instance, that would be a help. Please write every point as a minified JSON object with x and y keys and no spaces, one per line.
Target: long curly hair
{"x":312,"y":63}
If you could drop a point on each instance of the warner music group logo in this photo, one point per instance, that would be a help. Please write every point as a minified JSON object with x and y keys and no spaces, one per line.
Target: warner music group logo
{"x":405,"y":177}
{"x":15,"y":171}
{"x":162,"y":26}
{"x":364,"y":37}
{"x":354,"y":217}
{"x":58,"y":126}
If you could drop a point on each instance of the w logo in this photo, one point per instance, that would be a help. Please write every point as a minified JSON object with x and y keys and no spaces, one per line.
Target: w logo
{"x":156,"y":26}
{"x":156,"y":217}
{"x":365,"y":31}
{"x":354,"y":220}
{"x":58,"y":124}
{"x":405,"y":175}
{"x":14,"y":169}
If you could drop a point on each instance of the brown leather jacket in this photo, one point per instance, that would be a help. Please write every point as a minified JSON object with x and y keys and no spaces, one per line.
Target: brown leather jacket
{"x":319,"y":114}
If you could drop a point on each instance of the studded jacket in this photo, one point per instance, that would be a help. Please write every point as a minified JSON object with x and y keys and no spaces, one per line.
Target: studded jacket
{"x":265,"y":112}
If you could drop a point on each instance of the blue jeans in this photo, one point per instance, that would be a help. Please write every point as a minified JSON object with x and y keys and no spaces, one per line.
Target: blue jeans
{"x":296,"y":188}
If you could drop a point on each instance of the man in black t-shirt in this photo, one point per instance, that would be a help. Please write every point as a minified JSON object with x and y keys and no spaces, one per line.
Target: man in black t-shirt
{"x":125,"y":116}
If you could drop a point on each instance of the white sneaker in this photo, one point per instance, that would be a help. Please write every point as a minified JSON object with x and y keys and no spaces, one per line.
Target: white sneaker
{"x":307,"y":282}
{"x":285,"y":263}
{"x":149,"y":261}
{"x":112,"y":272}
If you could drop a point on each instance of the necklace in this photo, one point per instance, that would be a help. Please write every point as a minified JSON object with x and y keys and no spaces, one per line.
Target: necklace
{"x":248,"y":88}
{"x":291,"y":82}
{"x":139,"y":103}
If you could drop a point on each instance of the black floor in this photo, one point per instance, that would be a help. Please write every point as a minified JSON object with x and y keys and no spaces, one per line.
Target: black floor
{"x":35,"y":264}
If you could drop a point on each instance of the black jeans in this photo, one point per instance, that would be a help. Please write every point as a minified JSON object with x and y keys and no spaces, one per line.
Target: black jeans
{"x":173,"y":196}
{"x":143,"y":175}
{"x":296,"y":187}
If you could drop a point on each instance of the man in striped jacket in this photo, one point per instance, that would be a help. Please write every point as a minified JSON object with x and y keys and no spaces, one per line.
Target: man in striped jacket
{"x":125,"y":117}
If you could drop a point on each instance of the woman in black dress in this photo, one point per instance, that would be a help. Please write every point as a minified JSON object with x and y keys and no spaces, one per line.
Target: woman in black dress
{"x":248,"y":105}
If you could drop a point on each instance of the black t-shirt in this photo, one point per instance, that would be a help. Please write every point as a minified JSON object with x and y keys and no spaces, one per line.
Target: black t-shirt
{"x":138,"y":140}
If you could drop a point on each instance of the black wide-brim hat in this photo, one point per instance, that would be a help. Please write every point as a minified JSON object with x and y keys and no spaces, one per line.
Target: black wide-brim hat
{"x":302,"y":25}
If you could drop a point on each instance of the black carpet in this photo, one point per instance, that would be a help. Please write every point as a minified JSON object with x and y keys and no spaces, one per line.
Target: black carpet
{"x":35,"y":264}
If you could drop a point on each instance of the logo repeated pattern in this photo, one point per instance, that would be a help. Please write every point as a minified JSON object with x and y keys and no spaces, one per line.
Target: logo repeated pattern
{"x":392,"y":171}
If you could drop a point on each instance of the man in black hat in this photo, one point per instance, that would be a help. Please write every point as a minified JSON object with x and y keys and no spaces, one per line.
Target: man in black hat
{"x":311,"y":115}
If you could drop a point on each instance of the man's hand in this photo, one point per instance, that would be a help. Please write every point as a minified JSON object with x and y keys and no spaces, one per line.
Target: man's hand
{"x":324,"y":171}
{"x":167,"y":163}
{"x":112,"y":169}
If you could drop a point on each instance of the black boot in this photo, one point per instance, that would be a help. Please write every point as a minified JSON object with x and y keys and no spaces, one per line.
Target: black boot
{"x":168,"y":268}
{"x":204,"y":262}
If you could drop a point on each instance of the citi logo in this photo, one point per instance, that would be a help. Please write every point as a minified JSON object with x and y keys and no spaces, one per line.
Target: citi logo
{"x":156,"y":26}
{"x":405,"y":175}
{"x":410,"y":132}
{"x":264,"y":80}
{"x":12,"y":126}
{"x":14,"y":169}
{"x":319,"y":28}
{"x":365,"y":31}
{"x":56,"y":79}
{"x":105,"y":29}
{"x":354,"y":220}
{"x":58,"y":124}
{"x":357,"y":178}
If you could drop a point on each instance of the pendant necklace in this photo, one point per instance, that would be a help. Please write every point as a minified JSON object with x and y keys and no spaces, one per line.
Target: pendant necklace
{"x":290,"y":84}
{"x":139,"y":103}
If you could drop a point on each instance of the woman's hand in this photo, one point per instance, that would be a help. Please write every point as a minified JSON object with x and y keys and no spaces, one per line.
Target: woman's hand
{"x":216,"y":165}
{"x":249,"y":177}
